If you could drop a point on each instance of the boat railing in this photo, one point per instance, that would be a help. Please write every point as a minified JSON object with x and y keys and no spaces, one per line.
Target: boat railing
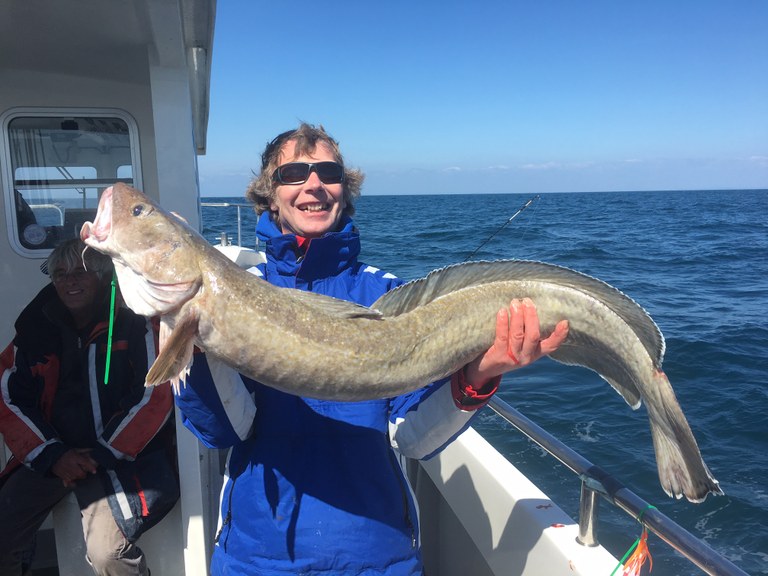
{"x":239,"y":206}
{"x":48,"y":212}
{"x":597,"y":482}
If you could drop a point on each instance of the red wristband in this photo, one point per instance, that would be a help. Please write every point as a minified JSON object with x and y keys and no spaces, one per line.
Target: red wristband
{"x":468,"y":398}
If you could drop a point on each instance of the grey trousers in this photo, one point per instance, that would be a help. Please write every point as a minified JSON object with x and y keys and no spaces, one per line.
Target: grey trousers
{"x":26,"y":499}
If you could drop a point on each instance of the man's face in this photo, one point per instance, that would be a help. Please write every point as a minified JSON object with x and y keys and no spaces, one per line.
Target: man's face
{"x":78,"y":289}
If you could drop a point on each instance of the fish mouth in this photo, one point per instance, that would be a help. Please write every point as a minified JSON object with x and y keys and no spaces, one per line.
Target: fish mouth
{"x":97,"y":232}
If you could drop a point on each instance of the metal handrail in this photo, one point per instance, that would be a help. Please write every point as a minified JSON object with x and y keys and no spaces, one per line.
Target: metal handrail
{"x":239,"y":206}
{"x":595,"y":480}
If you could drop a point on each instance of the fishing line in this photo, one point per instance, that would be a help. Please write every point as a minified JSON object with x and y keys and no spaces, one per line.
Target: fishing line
{"x":638,"y":553}
{"x":500,"y":228}
{"x":111,"y":325}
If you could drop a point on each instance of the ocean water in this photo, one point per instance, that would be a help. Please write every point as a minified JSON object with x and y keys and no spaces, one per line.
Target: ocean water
{"x":697,"y":261}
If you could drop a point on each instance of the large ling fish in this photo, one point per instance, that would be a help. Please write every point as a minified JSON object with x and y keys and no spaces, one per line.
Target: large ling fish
{"x":312,"y":345}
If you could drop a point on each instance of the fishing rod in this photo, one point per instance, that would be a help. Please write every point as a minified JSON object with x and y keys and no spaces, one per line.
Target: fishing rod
{"x":500,"y":228}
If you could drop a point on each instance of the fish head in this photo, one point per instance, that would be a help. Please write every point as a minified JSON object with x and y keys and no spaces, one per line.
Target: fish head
{"x":152,"y":250}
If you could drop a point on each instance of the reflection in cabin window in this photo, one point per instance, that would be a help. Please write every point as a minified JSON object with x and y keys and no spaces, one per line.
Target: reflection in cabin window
{"x":59,"y":167}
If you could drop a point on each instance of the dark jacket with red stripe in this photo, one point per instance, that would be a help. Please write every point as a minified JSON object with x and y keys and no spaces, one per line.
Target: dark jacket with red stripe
{"x":53,"y":393}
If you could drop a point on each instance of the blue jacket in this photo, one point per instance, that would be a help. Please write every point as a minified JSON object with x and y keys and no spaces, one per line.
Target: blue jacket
{"x":316,"y":487}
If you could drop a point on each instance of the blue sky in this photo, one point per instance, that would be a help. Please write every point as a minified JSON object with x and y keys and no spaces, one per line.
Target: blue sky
{"x":498,"y":96}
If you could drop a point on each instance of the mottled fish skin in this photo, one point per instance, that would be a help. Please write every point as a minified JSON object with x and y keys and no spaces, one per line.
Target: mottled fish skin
{"x":608,"y":333}
{"x":315,"y":346}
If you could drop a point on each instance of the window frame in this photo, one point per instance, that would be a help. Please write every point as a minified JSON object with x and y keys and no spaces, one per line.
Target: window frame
{"x":7,"y":179}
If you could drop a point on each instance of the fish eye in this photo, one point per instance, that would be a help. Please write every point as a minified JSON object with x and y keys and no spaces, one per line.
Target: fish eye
{"x":138,"y":209}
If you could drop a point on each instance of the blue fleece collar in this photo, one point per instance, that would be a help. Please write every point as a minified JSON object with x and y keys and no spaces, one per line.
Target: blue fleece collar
{"x":325,"y":257}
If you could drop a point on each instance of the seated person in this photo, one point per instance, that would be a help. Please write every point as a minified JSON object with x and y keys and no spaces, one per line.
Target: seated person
{"x":31,"y":235}
{"x":24,"y":214}
{"x":73,"y":427}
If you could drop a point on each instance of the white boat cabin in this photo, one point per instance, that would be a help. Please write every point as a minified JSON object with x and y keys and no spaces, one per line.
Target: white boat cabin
{"x":95,"y":92}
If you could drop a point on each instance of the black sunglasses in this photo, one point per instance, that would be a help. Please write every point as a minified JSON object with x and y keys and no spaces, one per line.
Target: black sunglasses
{"x":298,"y":172}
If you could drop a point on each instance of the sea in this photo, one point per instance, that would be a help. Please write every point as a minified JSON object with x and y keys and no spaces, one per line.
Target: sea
{"x":696,"y":260}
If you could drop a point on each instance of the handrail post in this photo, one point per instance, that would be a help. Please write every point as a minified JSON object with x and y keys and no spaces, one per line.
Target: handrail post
{"x":239,"y":228}
{"x":588,"y":509}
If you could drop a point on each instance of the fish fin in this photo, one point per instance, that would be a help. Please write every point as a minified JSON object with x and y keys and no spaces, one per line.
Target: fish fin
{"x":452,"y":278}
{"x":331,"y":306}
{"x":682,"y":471}
{"x":579,"y":350}
{"x":176,"y":349}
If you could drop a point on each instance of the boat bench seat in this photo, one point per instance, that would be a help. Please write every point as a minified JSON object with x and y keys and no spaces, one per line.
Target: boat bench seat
{"x":174,"y":547}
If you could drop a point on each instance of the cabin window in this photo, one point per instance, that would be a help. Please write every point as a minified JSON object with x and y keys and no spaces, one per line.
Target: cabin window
{"x":55,"y":167}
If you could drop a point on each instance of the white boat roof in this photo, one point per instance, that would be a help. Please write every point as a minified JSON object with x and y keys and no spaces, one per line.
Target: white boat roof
{"x":110,"y":40}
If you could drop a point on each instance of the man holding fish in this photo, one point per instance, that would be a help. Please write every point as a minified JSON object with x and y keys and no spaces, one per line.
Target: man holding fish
{"x":316,"y":486}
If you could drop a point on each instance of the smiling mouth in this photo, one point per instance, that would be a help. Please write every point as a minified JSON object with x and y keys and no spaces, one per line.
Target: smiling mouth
{"x":315,"y":208}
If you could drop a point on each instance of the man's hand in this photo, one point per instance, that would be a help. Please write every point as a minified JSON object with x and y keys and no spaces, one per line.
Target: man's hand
{"x":74,"y":465}
{"x":518,"y":343}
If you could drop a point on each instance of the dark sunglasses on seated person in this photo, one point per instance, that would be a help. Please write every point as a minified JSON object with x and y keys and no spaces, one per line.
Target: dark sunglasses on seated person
{"x":298,"y":172}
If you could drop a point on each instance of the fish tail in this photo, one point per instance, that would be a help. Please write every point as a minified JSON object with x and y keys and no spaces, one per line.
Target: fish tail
{"x":682,"y":471}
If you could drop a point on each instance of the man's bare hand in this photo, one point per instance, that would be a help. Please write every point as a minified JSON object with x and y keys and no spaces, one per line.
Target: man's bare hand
{"x":74,"y":465}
